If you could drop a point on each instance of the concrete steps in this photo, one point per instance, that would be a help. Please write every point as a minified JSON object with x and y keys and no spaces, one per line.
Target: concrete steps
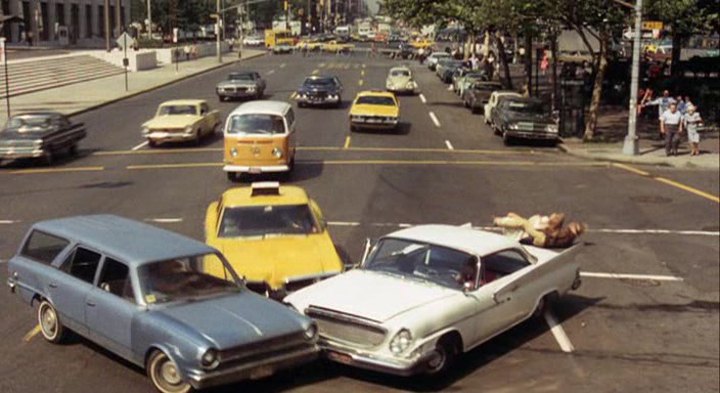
{"x":41,"y":74}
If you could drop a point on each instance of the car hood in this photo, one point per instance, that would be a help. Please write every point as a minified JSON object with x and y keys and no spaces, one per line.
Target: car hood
{"x":172,"y":121}
{"x":275,"y":259}
{"x":234,"y":320}
{"x":372,"y":295}
{"x":236,"y":84}
{"x":399,"y":80}
{"x":373,"y":110}
{"x":530,"y":118}
{"x":316,"y":89}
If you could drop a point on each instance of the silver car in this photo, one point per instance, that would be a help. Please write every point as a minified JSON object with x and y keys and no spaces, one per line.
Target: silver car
{"x":245,"y":84}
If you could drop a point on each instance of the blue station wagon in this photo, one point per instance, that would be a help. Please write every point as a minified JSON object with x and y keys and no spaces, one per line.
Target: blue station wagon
{"x":157,"y":299}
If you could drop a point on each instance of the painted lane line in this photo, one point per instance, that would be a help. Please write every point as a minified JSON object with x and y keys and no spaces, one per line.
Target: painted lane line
{"x":363,"y":66}
{"x":559,"y":333}
{"x":621,"y":276}
{"x":140,"y":146}
{"x":32,"y":333}
{"x":282,"y":65}
{"x":347,"y":142}
{"x":8,"y":222}
{"x":315,"y":71}
{"x":321,"y":65}
{"x":293,"y":95}
{"x":360,"y":82}
{"x":657,"y":232}
{"x":175,"y":166}
{"x":669,"y":182}
{"x":434,"y":119}
{"x":422,"y":98}
{"x":165,"y":220}
{"x":270,"y":72}
{"x":362,"y":73}
{"x":449,"y":145}
{"x":58,"y":170}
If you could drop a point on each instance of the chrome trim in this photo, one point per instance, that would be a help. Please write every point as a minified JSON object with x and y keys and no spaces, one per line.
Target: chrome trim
{"x":262,"y":169}
{"x":324,"y":312}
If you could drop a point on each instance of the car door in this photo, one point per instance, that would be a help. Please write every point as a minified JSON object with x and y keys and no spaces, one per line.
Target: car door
{"x":206,"y":123}
{"x":68,"y":291}
{"x":292,"y":137}
{"x":110,"y":307}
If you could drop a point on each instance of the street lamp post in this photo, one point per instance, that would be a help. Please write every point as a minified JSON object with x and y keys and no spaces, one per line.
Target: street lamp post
{"x":630,"y":145}
{"x":217,"y":32}
{"x":149,"y":18}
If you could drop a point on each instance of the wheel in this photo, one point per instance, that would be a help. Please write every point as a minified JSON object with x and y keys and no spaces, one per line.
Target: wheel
{"x":73,"y":150}
{"x":447,"y":350}
{"x":49,"y":157}
{"x":232,"y":176}
{"x":507,"y":139}
{"x":221,"y":98}
{"x":152,"y":143}
{"x":301,"y":105}
{"x":164,"y":374}
{"x":353,"y":128}
{"x":51,"y":327}
{"x":198,"y":138}
{"x":339,"y":102}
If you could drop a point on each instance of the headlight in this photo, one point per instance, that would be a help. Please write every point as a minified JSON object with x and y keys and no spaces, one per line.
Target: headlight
{"x":38,"y":142}
{"x":189,"y":129}
{"x":277,"y":152}
{"x":513,"y":127}
{"x":251,"y":88}
{"x":233,"y":152}
{"x":311,"y":332}
{"x":209,"y":359}
{"x":401,"y":342}
{"x":551,"y":128}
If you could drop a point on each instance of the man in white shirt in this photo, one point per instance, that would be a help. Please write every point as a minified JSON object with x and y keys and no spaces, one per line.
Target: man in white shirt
{"x":671,"y":128}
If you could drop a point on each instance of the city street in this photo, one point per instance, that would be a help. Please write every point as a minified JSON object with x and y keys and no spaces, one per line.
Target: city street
{"x":645,"y":319}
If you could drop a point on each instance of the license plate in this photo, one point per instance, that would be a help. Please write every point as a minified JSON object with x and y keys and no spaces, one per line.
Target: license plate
{"x":255,"y":171}
{"x":373,"y":120}
{"x":261,"y":372}
{"x":339,"y":357}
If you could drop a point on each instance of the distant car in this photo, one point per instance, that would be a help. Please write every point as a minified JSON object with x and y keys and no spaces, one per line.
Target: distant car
{"x":40,"y":135}
{"x":493,"y":101}
{"x":400,"y":80}
{"x":259,"y":137}
{"x":525,"y":118}
{"x":448,"y":69}
{"x":433,"y":59}
{"x":154,"y":298}
{"x":423,"y":43}
{"x":374,"y":109}
{"x":478,"y":93}
{"x":461,"y":84}
{"x":274,"y":236}
{"x":334,"y":46}
{"x":282,"y":49}
{"x":427,"y":294}
{"x":244,"y":84}
{"x":253,"y":40}
{"x":320,"y":90}
{"x":180,"y":121}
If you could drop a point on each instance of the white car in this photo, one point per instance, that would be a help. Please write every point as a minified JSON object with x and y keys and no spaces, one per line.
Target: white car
{"x":253,"y":41}
{"x":433,"y":58}
{"x":426,"y":294}
{"x":400,"y":80}
{"x":493,"y":101}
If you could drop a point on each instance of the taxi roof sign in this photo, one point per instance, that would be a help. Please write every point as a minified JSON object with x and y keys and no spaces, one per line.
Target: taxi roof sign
{"x":265,"y":188}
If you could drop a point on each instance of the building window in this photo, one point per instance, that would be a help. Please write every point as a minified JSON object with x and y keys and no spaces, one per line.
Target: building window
{"x":101,"y":20}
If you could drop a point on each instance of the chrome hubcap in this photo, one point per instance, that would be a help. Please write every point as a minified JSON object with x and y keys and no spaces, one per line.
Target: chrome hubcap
{"x":49,"y":321}
{"x":169,"y":373}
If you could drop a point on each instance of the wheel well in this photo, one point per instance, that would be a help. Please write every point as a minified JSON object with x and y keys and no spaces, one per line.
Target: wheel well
{"x":36,"y":298}
{"x":453,"y":338}
{"x":149,"y":353}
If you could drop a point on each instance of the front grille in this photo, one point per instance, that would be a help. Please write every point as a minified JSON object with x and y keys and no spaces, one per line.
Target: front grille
{"x":17,"y":143}
{"x":263,"y":348}
{"x":168,"y":130}
{"x":347,"y":328}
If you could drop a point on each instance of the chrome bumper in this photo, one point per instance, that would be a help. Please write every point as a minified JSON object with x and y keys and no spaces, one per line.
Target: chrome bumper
{"x":14,"y":154}
{"x":396,"y":366}
{"x":256,"y":169}
{"x":253,"y":370}
{"x":237,"y":94}
{"x":169,"y":137}
{"x":532,"y":135}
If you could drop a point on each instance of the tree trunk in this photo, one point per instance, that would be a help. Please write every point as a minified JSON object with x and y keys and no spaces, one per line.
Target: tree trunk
{"x":554,"y":75}
{"x":528,"y":62}
{"x":591,"y":123}
{"x":503,"y":60}
{"x":675,"y":68}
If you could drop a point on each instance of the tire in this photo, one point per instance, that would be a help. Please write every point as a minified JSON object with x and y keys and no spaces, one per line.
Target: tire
{"x":164,"y":375}
{"x":507,"y":139}
{"x":231,"y":176}
{"x":197,"y":141}
{"x":152,"y":143}
{"x":221,"y":98}
{"x":301,"y":105}
{"x":448,"y":349}
{"x":73,"y":150}
{"x":50,"y":324}
{"x":49,"y":157}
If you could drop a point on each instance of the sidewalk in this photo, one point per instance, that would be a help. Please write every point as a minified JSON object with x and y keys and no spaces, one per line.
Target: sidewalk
{"x":81,"y":97}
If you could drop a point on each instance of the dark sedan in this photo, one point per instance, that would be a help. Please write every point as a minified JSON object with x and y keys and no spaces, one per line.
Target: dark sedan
{"x":447,"y":70}
{"x":478,"y":94}
{"x":320,"y":90}
{"x":524,"y":118}
{"x":39,"y":135}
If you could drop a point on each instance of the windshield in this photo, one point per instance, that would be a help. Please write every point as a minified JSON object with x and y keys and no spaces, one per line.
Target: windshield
{"x":29,"y":123}
{"x":400,"y":73}
{"x":487,"y":86}
{"x":185,"y":278}
{"x":259,"y":123}
{"x":267,"y":220}
{"x":177,"y":110}
{"x":241,"y":77}
{"x":526,"y":107}
{"x":443,"y":266}
{"x":324,"y":82}
{"x":375,"y":100}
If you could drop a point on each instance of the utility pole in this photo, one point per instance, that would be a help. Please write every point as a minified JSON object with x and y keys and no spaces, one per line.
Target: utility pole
{"x":118,"y":18}
{"x":217,"y":31}
{"x":630,"y":145}
{"x":287,"y":16}
{"x":149,"y":18}
{"x":106,"y":16}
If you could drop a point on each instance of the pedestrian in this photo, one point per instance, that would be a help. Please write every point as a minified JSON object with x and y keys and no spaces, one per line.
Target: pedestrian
{"x":681,"y":104}
{"x":231,"y":43}
{"x":544,"y":63}
{"x":541,"y":231}
{"x":421,"y":55}
{"x":691,"y":121}
{"x":194,"y":51}
{"x":663,"y":102}
{"x":671,"y":128}
{"x":186,"y":50}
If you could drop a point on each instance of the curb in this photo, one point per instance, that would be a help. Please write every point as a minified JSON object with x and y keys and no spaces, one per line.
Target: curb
{"x":168,"y":83}
{"x":687,"y":165}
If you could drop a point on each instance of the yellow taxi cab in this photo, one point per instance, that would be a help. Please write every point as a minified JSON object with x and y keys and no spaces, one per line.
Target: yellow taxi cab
{"x":275,"y":236}
{"x":422,"y":43}
{"x":259,"y":138}
{"x":374,"y":109}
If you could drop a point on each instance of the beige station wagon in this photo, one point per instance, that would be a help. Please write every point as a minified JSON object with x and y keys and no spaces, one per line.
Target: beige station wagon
{"x":181,"y":121}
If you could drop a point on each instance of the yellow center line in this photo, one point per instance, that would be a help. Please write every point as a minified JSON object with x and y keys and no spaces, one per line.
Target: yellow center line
{"x":173,"y":166}
{"x":57,"y":170}
{"x":363,"y":66}
{"x":32,"y":333}
{"x":161,"y":151}
{"x":347,"y":142}
{"x":669,"y":182}
{"x":362,"y":73}
{"x":322,"y":65}
{"x":360,"y":82}
{"x":315,"y":71}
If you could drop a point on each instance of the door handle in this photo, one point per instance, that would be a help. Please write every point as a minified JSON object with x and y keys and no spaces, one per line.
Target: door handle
{"x":91,"y":304}
{"x":52,"y":285}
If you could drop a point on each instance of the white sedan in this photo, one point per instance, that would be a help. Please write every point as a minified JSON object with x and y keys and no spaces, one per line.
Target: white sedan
{"x":426,"y":294}
{"x":493,"y":101}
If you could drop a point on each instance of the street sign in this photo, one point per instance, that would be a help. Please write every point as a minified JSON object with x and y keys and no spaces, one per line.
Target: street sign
{"x":124,"y":39}
{"x":652,"y":25}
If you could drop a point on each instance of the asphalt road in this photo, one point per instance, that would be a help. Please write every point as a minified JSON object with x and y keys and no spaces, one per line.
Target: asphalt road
{"x":655,"y":331}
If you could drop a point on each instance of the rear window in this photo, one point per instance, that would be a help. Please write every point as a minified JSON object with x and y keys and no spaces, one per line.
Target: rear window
{"x":376,"y":100}
{"x":42,"y":247}
{"x":259,"y":123}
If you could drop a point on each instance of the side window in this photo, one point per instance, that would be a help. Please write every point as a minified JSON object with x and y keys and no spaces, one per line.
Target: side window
{"x":42,"y":247}
{"x":82,"y":264}
{"x":290,"y":117}
{"x":115,"y":278}
{"x":204,"y":109}
{"x":503,"y":263}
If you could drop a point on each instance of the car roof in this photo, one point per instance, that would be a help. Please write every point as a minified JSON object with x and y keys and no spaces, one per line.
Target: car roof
{"x":242,"y":196}
{"x":262,"y":106}
{"x":322,"y":76}
{"x":243,"y":73}
{"x":133,"y":242}
{"x":183,"y":102}
{"x":463,"y":238}
{"x":400,"y":68}
{"x":506,"y":93}
{"x":375,"y":93}
{"x":524,"y":99}
{"x":39,"y":113}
